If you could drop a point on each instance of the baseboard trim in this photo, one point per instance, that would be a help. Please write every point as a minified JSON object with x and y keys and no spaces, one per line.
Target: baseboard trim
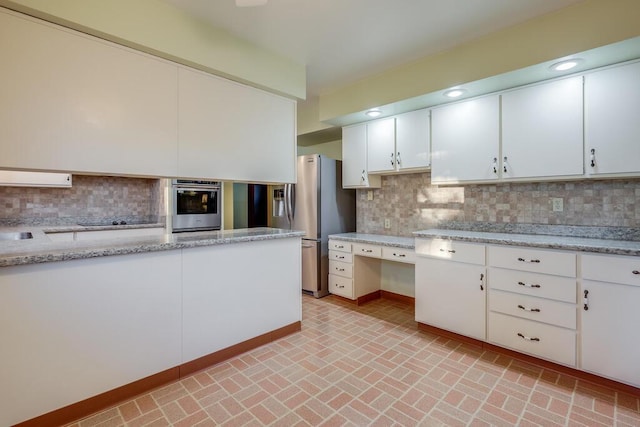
{"x":586,"y":376}
{"x":86,"y":407}
{"x":398,"y":297}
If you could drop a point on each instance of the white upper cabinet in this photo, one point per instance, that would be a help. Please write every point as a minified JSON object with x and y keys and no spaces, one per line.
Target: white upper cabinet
{"x":381,"y":145}
{"x":71,"y":102}
{"x":399,"y":143}
{"x":413,"y":142}
{"x":542,"y":130}
{"x":612,"y":124}
{"x":466,"y":141}
{"x":234,"y":132}
{"x":354,"y":158}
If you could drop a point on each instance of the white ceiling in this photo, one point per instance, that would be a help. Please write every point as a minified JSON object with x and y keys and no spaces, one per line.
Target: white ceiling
{"x":342,"y":41}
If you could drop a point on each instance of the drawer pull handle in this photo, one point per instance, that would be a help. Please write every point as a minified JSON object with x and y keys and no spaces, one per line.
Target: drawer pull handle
{"x":585,"y":300}
{"x":399,"y":255}
{"x":528,"y":338}
{"x":528,"y":286}
{"x":481,"y":281}
{"x":339,"y":269}
{"x":533,"y":310}
{"x":636,"y":272}
{"x":340,"y":256}
{"x":532,"y":260}
{"x":339,"y":286}
{"x":339,"y":247}
{"x":367,"y":251}
{"x":451,"y":251}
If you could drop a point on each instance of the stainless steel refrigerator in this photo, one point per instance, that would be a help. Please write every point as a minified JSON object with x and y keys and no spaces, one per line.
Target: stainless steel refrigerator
{"x":319,"y":206}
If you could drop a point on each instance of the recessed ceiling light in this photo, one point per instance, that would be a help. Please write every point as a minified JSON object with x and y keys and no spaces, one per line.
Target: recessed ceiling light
{"x":454,"y":93}
{"x":374,"y":112}
{"x":565,"y":65}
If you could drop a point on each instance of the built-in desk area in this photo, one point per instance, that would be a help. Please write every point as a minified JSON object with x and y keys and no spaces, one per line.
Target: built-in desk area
{"x":363,"y":267}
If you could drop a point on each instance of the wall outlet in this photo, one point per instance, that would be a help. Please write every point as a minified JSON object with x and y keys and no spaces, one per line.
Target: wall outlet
{"x":557,"y":204}
{"x":370,"y":195}
{"x":387,"y":223}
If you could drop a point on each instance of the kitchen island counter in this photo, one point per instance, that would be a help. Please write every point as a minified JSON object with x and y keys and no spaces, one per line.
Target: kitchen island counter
{"x":41,"y":249}
{"x":109,"y":327}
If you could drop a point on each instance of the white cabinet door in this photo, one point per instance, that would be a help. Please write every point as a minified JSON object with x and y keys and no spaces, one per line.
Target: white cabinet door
{"x":542,"y":130}
{"x":225,"y":303}
{"x":354,"y":158}
{"x":381,"y":145}
{"x":451,"y":295}
{"x":612,"y":127}
{"x":232,"y":132}
{"x":91,"y":325}
{"x":413,"y":140}
{"x":75,"y":103}
{"x":466,"y":141}
{"x":610,"y":331}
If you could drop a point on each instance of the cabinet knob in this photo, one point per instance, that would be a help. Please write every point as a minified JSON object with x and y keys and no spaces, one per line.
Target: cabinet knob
{"x":593,"y":157}
{"x":635,"y":272}
{"x":495,"y":165}
{"x":504,"y":164}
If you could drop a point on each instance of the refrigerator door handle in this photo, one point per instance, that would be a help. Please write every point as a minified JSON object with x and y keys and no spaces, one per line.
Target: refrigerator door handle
{"x":289,"y":194}
{"x":286,"y":203}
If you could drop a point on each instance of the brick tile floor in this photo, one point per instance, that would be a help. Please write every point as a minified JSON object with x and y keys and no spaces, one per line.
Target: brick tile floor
{"x":370,"y":366}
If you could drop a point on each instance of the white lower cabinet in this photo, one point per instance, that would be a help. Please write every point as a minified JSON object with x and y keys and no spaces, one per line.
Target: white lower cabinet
{"x":610,"y":317}
{"x":532,"y":302}
{"x":225,"y":303}
{"x":90,"y":325}
{"x":356,"y":269}
{"x":449,"y":294}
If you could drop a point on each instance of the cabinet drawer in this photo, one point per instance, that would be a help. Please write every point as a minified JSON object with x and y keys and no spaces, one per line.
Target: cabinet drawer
{"x":607,"y":268}
{"x":535,"y":260}
{"x":539,"y":309}
{"x":451,"y":250}
{"x":399,"y":254}
{"x":340,"y":256}
{"x":538,"y":339}
{"x":367,"y":250}
{"x":341,"y":286}
{"x":535,"y":284}
{"x":341,"y":269}
{"x":338,"y":245}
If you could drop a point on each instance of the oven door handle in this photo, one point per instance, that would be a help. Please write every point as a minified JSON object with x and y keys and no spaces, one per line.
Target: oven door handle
{"x":198,"y":188}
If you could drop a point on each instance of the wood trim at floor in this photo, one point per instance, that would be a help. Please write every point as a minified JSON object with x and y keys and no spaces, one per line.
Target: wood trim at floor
{"x":397,"y":297}
{"x":105,"y":400}
{"x":586,"y":376}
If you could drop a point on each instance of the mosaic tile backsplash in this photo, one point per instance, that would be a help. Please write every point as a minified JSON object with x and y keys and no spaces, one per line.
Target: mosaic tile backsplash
{"x":91,"y":198}
{"x":412,"y":203}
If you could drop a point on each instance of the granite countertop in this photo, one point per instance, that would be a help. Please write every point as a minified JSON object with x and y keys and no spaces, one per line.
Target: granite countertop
{"x":97,"y":227}
{"x":41,"y":249}
{"x":581,"y":244}
{"x":376,"y":239}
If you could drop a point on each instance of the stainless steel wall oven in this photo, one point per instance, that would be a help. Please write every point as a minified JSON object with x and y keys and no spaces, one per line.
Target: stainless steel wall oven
{"x":196,"y":205}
